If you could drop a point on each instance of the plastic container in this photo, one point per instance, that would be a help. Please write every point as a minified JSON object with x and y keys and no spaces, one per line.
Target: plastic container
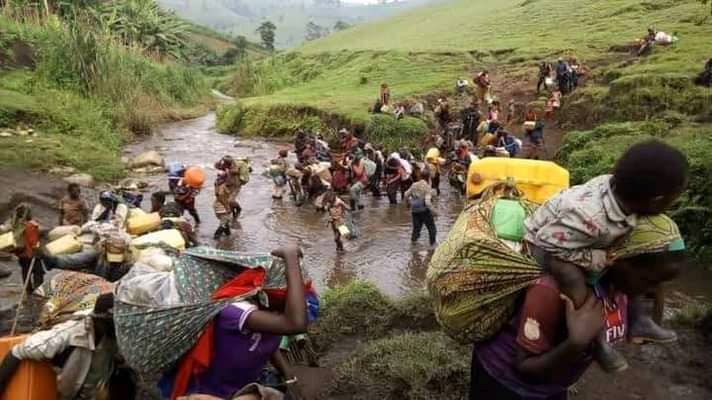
{"x":33,"y":380}
{"x":508,"y":220}
{"x":194,"y":177}
{"x":65,"y":245}
{"x":171,"y":237}
{"x":135,"y":212}
{"x":7,"y":241}
{"x":62,"y":231}
{"x":140,"y":224}
{"x":538,"y":180}
{"x":344,"y":231}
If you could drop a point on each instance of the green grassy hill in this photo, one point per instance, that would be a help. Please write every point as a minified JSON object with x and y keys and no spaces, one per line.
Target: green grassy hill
{"x":432,"y":47}
{"x":221,"y":43}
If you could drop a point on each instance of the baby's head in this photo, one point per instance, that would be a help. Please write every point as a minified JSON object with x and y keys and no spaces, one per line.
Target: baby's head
{"x":649,"y":177}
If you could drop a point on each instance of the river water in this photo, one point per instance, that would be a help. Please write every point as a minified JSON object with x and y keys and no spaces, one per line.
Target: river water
{"x":382,"y":255}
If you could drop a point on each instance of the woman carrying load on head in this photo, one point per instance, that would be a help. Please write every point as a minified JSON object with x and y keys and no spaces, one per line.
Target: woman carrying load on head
{"x":548,"y":344}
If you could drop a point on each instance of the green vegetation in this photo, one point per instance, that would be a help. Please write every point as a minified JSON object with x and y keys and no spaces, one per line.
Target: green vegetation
{"x":392,"y":361}
{"x":396,"y":134}
{"x":590,"y":153}
{"x":425,"y":365}
{"x":360,"y":309}
{"x":86,"y":87}
{"x":343,"y":83}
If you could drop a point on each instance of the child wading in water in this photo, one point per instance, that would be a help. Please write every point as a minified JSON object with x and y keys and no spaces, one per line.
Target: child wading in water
{"x":339,"y":219}
{"x":569,"y":234}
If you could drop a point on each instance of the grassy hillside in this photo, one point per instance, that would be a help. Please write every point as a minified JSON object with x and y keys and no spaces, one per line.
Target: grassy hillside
{"x":532,"y":27}
{"x":242,"y":17}
{"x":84,"y":94}
{"x":219,"y":42}
{"x":416,"y":54}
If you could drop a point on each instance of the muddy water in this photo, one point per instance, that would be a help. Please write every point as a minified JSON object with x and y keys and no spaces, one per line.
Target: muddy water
{"x":382,"y":255}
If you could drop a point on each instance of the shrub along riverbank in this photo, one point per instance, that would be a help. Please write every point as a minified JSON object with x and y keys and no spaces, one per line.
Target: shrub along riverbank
{"x":84,"y":93}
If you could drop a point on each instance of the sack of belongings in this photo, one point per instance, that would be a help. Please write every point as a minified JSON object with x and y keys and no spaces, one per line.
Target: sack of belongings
{"x":150,"y":303}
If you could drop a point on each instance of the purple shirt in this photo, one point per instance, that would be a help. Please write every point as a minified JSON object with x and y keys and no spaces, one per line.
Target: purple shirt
{"x":239,"y":355}
{"x":538,"y":328}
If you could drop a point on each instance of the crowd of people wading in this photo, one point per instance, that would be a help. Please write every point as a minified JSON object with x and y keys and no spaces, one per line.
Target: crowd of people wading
{"x":134,"y":292}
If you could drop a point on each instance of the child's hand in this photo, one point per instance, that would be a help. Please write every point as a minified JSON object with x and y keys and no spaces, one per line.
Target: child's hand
{"x":585,"y":323}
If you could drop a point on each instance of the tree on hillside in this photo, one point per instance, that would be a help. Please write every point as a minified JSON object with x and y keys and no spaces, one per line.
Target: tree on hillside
{"x":341,"y":25}
{"x":267,"y":34}
{"x":315,"y":31}
{"x":241,"y":46}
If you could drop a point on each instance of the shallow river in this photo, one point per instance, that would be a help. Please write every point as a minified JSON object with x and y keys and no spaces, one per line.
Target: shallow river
{"x":382,"y":255}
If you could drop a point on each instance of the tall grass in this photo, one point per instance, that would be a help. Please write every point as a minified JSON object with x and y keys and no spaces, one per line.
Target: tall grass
{"x":90,"y":92}
{"x":142,"y":92}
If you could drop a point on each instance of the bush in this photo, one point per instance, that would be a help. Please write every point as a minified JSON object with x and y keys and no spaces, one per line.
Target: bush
{"x":280,"y":120}
{"x":395,"y":134}
{"x":358,"y":308}
{"x":408,"y":366}
{"x":229,"y":118}
{"x":590,"y":153}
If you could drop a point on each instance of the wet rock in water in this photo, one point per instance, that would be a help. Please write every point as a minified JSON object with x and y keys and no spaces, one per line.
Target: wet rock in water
{"x":62,"y":171}
{"x":125,"y":159}
{"x":84,"y":180}
{"x":150,"y":170}
{"x":148,"y":159}
{"x":6,"y":134}
{"x":131,"y":182}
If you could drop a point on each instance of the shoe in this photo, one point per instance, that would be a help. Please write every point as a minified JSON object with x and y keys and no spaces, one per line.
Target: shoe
{"x":609,"y":359}
{"x":218,"y":233}
{"x":642,"y":327}
{"x":360,"y":207}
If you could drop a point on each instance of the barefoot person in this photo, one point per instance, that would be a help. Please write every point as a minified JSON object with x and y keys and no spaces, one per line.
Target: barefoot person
{"x":73,"y":209}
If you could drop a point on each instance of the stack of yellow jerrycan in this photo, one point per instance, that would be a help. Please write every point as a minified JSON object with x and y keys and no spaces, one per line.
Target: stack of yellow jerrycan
{"x":537,"y":180}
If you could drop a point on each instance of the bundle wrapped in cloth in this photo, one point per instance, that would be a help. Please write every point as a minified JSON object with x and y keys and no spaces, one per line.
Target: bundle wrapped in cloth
{"x":475,"y":276}
{"x":67,"y":292}
{"x":149,"y":303}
